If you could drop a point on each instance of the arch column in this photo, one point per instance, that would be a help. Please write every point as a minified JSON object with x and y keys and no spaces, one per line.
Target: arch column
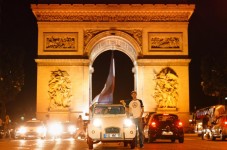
{"x":91,"y":71}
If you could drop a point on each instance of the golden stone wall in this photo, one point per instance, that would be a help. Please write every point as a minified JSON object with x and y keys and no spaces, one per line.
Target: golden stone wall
{"x":70,"y":37}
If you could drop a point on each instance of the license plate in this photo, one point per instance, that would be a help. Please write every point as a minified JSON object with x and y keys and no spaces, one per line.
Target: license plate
{"x":167,"y":133}
{"x":112,"y":135}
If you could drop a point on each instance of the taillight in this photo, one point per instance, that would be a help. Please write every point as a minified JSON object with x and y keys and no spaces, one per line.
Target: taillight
{"x":153,"y":124}
{"x":180,"y":124}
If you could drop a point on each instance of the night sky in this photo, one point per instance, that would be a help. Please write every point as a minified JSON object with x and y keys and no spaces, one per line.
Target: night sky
{"x":207,"y":34}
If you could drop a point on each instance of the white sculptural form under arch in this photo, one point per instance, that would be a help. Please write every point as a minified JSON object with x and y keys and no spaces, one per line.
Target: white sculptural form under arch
{"x":107,"y":41}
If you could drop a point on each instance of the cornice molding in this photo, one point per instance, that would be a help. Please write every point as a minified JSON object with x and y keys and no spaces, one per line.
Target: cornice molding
{"x":113,"y":12}
{"x":62,"y":62}
{"x":162,"y":62}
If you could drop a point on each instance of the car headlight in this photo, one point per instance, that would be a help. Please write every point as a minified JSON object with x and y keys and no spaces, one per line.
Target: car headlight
{"x":22,"y":130}
{"x":127,"y":122}
{"x":55,"y":129}
{"x":41,"y":130}
{"x":97,"y":122}
{"x":71,"y":129}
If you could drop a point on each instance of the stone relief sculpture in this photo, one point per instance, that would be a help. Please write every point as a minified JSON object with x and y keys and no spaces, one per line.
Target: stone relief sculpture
{"x":59,"y":90}
{"x":166,"y":89}
{"x":165,"y":41}
{"x":89,"y":34}
{"x":171,"y":42}
{"x":136,"y":34}
{"x":60,"y":41}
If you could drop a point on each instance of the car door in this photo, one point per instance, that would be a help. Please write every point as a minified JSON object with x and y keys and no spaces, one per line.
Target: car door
{"x":217,"y":126}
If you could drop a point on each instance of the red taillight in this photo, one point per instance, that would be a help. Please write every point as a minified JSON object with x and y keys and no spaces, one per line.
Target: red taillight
{"x":153,"y":124}
{"x":180,"y":124}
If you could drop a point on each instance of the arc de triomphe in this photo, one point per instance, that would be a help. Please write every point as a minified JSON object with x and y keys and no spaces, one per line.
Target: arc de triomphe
{"x":72,"y":36}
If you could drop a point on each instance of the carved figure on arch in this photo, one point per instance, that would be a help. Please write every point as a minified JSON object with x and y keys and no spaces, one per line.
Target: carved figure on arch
{"x":166,"y":88}
{"x":59,"y":90}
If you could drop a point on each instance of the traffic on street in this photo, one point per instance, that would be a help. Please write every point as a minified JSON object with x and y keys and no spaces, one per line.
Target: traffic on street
{"x":192,"y":141}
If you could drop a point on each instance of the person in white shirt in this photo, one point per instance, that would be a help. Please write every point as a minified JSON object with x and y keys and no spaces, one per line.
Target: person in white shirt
{"x":136,"y":110}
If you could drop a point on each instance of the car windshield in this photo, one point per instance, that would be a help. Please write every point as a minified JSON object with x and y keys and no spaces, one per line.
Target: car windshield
{"x":33,"y":124}
{"x":109,"y":110}
{"x":165,"y":117}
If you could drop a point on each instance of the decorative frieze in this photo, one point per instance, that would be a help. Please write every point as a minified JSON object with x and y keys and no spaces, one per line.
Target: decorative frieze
{"x":134,"y":33}
{"x":112,"y":13}
{"x":165,"y":41}
{"x":60,"y":41}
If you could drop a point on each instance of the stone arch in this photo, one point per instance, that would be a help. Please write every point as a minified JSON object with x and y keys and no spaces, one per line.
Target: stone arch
{"x":113,"y":40}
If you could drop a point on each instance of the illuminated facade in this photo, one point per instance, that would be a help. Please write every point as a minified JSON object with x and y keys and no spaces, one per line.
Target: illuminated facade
{"x":71,"y":37}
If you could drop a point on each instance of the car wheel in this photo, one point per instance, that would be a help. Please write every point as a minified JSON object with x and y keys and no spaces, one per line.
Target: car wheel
{"x":202,"y":136}
{"x":133,"y":143}
{"x":173,"y":140}
{"x":222,"y":137}
{"x":181,"y":140}
{"x":90,"y":143}
{"x":151,"y":139}
{"x":213,"y":138}
{"x":146,"y":140}
{"x":125,"y":144}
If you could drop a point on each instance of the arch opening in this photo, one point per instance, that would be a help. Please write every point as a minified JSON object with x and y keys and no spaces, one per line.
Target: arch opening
{"x":120,"y":46}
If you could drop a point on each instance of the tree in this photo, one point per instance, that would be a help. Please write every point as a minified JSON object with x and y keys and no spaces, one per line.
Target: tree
{"x":11,"y":73}
{"x":214,"y":74}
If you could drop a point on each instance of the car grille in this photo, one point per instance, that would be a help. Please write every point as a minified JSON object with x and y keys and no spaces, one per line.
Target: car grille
{"x":112,"y":130}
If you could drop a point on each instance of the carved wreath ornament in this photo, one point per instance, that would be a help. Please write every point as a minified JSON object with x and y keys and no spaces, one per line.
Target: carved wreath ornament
{"x":166,"y":89}
{"x":59,"y":90}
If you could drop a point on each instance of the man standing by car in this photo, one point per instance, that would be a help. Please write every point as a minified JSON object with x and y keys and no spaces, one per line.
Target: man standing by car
{"x":136,"y":109}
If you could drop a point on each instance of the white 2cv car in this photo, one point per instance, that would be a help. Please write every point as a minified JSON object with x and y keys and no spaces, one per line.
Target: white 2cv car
{"x":109,"y":123}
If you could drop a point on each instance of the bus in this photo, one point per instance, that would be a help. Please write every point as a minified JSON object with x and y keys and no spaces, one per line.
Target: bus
{"x":213,"y":111}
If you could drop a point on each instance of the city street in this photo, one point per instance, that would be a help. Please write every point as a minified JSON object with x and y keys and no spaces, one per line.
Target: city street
{"x":191,"y":142}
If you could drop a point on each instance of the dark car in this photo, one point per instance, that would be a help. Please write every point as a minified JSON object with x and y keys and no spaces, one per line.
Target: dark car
{"x":164,"y":126}
{"x":219,"y":129}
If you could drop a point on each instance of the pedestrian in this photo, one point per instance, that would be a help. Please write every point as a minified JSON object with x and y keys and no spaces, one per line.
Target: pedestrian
{"x":1,"y":124}
{"x":136,"y":110}
{"x":206,"y":119}
{"x":80,"y":127}
{"x":7,"y":127}
{"x":205,"y":122}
